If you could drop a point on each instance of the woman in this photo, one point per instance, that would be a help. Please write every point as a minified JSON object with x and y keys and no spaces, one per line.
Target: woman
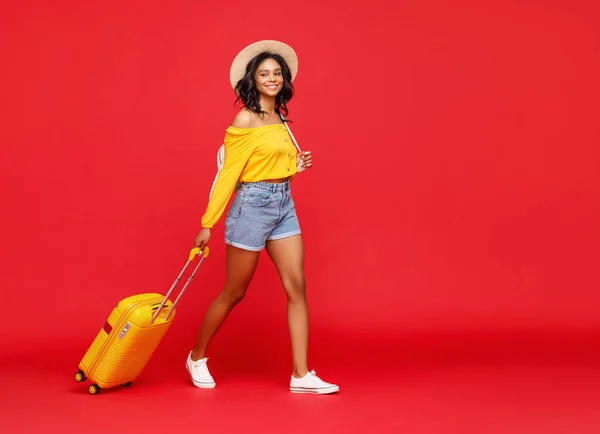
{"x":260,"y":154}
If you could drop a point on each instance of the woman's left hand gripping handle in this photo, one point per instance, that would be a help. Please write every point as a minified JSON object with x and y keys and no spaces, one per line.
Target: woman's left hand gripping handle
{"x":202,"y":239}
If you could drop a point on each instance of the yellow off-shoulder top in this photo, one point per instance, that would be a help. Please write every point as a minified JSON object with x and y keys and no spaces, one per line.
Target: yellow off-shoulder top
{"x":251,"y":155}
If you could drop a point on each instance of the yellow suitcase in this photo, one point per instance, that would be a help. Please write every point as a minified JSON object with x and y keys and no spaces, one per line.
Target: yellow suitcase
{"x":132,"y":332}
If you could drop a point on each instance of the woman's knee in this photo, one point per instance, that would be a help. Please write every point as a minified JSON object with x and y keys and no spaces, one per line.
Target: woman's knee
{"x":234,"y":295}
{"x":295,"y":287}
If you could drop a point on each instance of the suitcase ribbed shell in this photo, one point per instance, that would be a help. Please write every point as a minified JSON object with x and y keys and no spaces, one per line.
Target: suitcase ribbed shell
{"x":125,"y":344}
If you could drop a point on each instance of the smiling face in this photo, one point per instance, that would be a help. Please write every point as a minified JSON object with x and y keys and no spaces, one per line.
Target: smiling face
{"x":268,"y":78}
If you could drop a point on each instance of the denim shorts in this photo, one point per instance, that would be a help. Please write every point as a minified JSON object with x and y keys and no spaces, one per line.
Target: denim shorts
{"x":261,"y":211}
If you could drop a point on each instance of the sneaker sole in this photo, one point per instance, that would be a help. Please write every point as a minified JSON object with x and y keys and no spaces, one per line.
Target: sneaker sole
{"x":323,"y":391}
{"x":198,"y":384}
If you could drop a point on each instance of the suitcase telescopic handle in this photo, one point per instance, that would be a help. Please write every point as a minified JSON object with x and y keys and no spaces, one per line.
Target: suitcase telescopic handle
{"x":193,"y":253}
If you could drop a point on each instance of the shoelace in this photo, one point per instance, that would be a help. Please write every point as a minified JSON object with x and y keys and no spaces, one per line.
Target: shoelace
{"x":314,"y":377}
{"x":200,"y":366}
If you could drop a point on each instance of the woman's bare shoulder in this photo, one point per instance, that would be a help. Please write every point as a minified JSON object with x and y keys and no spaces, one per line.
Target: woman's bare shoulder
{"x":244,"y":119}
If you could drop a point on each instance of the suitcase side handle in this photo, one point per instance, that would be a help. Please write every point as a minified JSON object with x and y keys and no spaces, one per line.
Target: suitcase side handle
{"x":193,"y":253}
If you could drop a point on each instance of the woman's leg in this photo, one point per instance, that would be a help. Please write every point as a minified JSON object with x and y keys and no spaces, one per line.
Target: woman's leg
{"x":240,"y":269}
{"x":288,"y":256}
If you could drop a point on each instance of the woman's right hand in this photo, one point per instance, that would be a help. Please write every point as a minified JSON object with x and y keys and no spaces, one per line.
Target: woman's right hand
{"x":202,"y":238}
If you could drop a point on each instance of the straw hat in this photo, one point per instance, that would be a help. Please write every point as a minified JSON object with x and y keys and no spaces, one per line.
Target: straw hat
{"x":238,"y":67}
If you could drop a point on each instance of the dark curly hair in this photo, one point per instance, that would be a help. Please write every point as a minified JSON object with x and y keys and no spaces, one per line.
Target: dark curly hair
{"x":246,"y":87}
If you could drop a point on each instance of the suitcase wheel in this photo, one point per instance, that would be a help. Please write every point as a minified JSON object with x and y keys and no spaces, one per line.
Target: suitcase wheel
{"x":80,"y":376}
{"x":94,"y":389}
{"x":126,"y":384}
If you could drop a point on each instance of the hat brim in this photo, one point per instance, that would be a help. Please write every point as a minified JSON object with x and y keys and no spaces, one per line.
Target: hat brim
{"x":238,"y":67}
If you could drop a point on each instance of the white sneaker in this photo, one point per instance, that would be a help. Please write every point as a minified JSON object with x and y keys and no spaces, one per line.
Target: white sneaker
{"x":199,"y":372}
{"x":310,"y":383}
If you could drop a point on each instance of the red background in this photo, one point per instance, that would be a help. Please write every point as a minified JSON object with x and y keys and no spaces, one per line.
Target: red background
{"x":454,"y":191}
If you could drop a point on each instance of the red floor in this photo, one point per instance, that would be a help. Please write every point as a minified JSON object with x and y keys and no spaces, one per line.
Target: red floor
{"x":488,"y":383}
